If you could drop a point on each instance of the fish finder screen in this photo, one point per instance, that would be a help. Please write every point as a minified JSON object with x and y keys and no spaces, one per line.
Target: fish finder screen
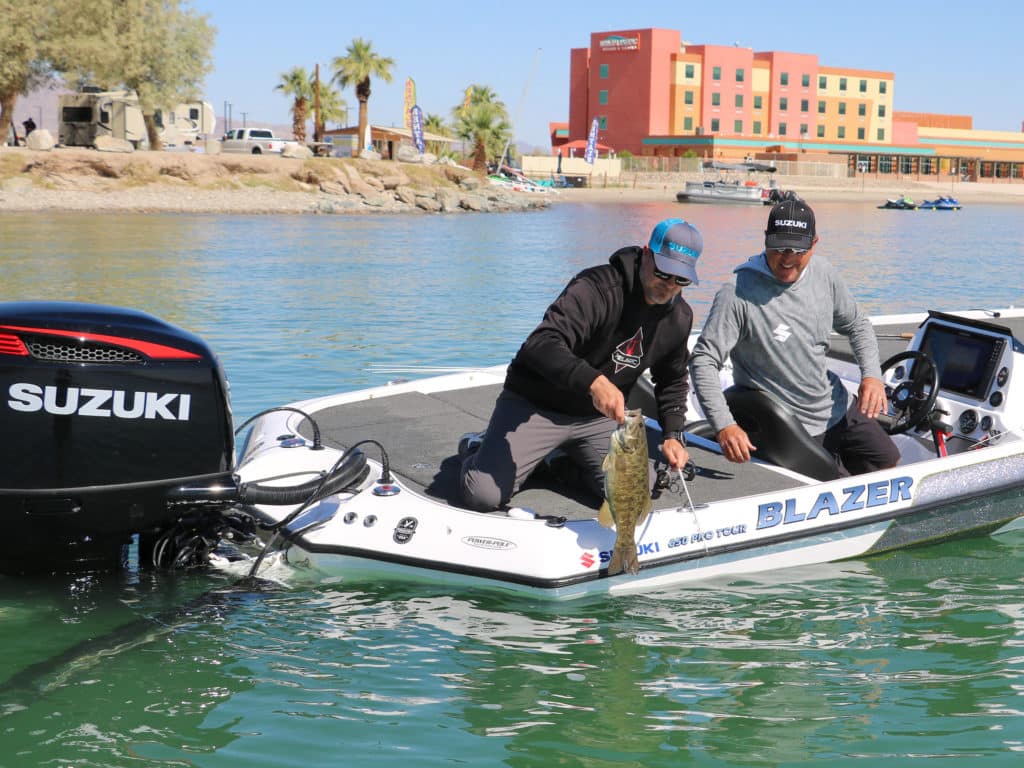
{"x":965,"y":360}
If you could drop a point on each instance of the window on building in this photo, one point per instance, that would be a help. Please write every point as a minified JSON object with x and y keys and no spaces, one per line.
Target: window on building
{"x":603,"y":72}
{"x":716,"y":73}
{"x":881,"y":110}
{"x":716,"y":99}
{"x":803,"y":130}
{"x":906,"y":165}
{"x":804,"y":105}
{"x":782,"y":129}
{"x":784,"y":78}
{"x":863,"y":86}
{"x":842,"y":83}
{"x":687,"y":97}
{"x":688,"y":124}
{"x":805,"y":80}
{"x":882,"y":86}
{"x":860,"y":134}
{"x":739,"y":100}
{"x":689,"y":72}
{"x":739,"y":75}
{"x":842,"y":107}
{"x":862,"y":110}
{"x":602,"y":97}
{"x":783,"y":104}
{"x":822,"y":82}
{"x":737,"y":126}
{"x":885,"y":164}
{"x":881,"y":134}
{"x":841,"y":132}
{"x":758,"y":101}
{"x":714,"y":125}
{"x":757,"y":127}
{"x":602,"y":122}
{"x":821,"y":131}
{"x":821,"y":106}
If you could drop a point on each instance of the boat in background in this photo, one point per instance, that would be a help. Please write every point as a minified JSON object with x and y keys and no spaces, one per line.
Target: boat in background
{"x":901,"y":203}
{"x":941,"y":203}
{"x":729,"y":187}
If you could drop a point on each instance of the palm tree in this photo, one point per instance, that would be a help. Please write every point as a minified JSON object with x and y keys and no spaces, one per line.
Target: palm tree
{"x":482,"y":120}
{"x":435,"y":124}
{"x":356,"y":68}
{"x":486,"y":127}
{"x":296,"y":83}
{"x":332,"y":107}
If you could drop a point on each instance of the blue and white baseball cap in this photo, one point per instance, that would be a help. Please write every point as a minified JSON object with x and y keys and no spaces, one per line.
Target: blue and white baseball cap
{"x":677,"y":246}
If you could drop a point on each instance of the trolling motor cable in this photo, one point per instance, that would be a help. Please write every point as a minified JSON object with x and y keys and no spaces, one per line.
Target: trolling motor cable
{"x":317,"y":443}
{"x":385,"y":478}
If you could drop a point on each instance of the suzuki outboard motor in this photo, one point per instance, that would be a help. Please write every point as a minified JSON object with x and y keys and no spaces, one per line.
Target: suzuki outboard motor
{"x":104,"y":411}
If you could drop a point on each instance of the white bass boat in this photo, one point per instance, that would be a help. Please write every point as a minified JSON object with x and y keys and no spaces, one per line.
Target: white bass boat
{"x":957,"y":388}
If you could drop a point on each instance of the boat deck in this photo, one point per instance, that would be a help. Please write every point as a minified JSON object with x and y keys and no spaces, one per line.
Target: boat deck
{"x":420,"y":433}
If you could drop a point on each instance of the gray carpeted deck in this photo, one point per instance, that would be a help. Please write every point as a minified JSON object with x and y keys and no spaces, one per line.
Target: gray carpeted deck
{"x":421,"y":432}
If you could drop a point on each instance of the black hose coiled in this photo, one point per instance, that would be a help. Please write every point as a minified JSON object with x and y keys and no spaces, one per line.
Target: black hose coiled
{"x":348,"y":471}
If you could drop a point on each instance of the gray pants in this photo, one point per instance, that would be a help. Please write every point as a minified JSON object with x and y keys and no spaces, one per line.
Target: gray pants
{"x":518,"y":438}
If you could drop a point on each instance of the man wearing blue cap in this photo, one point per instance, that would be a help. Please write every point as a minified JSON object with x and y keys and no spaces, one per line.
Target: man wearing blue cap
{"x":567,"y":385}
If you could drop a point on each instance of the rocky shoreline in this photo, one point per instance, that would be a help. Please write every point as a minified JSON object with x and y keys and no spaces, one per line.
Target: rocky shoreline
{"x":69,"y":179}
{"x":66,"y":179}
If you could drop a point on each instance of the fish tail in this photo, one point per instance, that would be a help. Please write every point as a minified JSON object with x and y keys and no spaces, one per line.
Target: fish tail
{"x":624,"y":559}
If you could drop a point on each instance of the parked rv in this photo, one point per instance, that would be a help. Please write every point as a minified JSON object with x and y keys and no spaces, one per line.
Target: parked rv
{"x":85,"y":116}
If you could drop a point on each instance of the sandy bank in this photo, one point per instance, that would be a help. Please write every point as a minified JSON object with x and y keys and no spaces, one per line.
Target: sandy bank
{"x":67,"y":179}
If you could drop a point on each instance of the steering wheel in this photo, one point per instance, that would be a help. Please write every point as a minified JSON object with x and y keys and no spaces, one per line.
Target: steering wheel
{"x":911,"y":400}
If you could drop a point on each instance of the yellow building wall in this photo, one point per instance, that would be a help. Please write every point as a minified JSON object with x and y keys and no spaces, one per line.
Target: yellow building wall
{"x":679,"y":110}
{"x":842,"y":105}
{"x":760,"y":86}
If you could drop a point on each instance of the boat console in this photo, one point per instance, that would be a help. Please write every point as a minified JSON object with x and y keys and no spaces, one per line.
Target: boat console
{"x":973,"y":361}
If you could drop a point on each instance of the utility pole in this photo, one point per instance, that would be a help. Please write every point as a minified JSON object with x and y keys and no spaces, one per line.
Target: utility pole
{"x":316,"y":104}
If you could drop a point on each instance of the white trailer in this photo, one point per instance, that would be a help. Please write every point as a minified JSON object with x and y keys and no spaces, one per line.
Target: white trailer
{"x":85,"y":116}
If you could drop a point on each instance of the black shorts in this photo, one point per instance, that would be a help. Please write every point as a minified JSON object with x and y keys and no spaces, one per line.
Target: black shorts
{"x":859,"y":443}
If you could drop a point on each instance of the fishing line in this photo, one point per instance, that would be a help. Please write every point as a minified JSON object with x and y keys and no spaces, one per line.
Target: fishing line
{"x":693,"y":509}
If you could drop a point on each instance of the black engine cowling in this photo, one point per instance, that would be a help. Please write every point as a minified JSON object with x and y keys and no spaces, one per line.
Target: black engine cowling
{"x":104,"y":411}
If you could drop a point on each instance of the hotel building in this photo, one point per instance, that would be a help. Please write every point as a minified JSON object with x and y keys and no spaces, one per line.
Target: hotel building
{"x":652,"y":94}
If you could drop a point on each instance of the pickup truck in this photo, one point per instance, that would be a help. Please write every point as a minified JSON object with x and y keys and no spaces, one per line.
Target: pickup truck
{"x":253,"y":141}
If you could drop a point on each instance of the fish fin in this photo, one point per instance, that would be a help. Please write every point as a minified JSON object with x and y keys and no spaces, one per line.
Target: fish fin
{"x":607,"y":463}
{"x":632,"y":563}
{"x":615,"y":564}
{"x":604,"y":517}
{"x":624,"y":560}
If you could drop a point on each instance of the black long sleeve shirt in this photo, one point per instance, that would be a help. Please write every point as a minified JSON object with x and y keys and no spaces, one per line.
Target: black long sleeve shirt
{"x":601,"y":324}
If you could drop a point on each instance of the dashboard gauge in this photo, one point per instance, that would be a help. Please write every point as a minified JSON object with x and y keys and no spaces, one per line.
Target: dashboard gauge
{"x":968,"y":421}
{"x":985,"y":423}
{"x":996,"y":399}
{"x":1002,"y":376}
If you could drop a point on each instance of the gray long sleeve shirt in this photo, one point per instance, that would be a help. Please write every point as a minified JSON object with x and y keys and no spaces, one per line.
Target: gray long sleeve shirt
{"x":777,"y":335}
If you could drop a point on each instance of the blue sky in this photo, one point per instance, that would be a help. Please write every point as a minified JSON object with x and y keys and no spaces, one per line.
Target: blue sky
{"x":948,"y":57}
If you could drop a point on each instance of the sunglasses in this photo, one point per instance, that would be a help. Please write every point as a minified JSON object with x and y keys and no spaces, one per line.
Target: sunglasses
{"x":682,"y":281}
{"x":789,"y":251}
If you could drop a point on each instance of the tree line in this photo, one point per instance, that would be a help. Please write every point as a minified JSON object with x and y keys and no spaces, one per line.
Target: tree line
{"x":160,"y":49}
{"x":480,"y":118}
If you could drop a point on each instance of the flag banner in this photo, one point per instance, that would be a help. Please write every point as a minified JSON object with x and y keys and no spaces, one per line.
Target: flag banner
{"x":416,"y":117}
{"x":410,"y":100}
{"x":591,"y":152}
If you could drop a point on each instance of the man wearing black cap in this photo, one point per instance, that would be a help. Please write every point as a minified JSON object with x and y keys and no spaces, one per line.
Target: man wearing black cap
{"x":773,"y":321}
{"x":568,"y":384}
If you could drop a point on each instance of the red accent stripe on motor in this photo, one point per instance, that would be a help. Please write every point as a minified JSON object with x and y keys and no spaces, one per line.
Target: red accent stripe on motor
{"x":155,"y":351}
{"x":12,"y":345}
